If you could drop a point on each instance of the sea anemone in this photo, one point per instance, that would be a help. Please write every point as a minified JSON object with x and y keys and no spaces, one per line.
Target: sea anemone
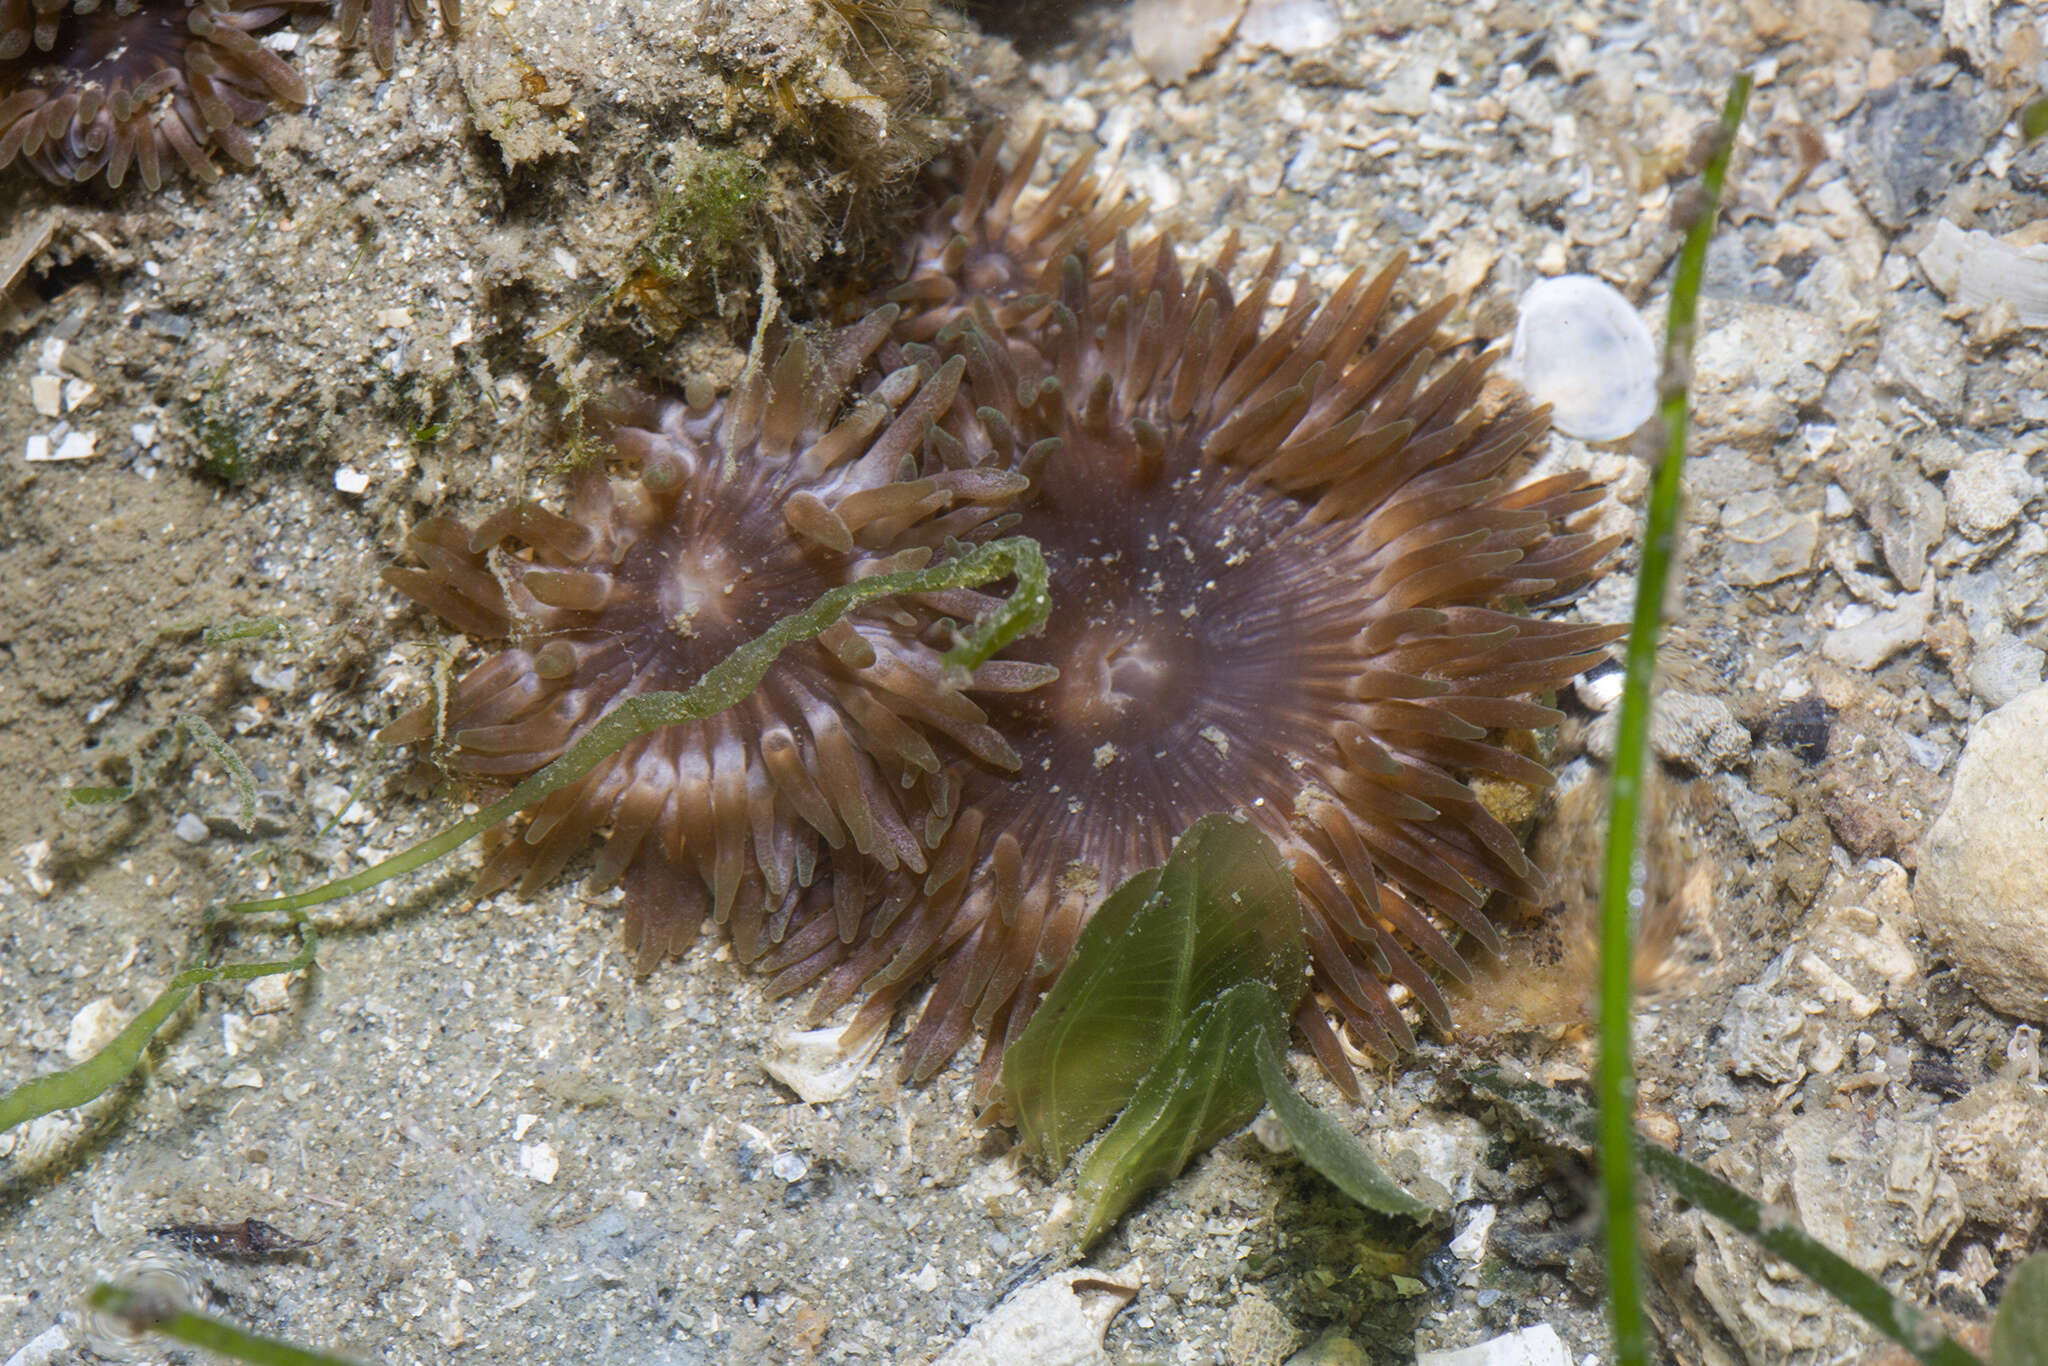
{"x":90,"y":89}
{"x":1291,"y":566}
{"x":735,"y":516}
{"x":1290,"y":572}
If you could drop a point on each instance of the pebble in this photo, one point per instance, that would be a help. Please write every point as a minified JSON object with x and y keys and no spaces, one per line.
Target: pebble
{"x":1763,"y":541}
{"x":268,"y":995}
{"x":820,"y":1065}
{"x":191,"y":829}
{"x":61,"y":444}
{"x":1982,"y":888}
{"x":1922,"y":355}
{"x":91,"y":1029}
{"x":1290,"y":27}
{"x":351,"y":481}
{"x":1979,"y":270}
{"x":1173,"y":39}
{"x":1697,"y":731}
{"x":1058,"y":1321}
{"x":540,"y":1161}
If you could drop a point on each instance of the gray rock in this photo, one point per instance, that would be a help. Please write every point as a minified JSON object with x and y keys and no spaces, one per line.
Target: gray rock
{"x":1982,"y":889}
{"x":1911,"y":141}
{"x":2005,"y":668}
{"x":1922,"y":355}
{"x":1763,"y":541}
{"x":1697,"y":731}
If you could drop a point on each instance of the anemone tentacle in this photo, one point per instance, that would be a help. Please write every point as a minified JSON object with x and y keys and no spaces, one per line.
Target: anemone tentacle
{"x":386,"y":17}
{"x":95,"y":90}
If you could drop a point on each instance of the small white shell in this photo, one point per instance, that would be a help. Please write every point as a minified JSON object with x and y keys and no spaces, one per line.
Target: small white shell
{"x":1583,"y":349}
{"x":163,"y":1277}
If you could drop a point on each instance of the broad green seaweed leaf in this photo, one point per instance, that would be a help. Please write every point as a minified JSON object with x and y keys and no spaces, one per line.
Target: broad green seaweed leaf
{"x":148,"y":1315}
{"x":1204,"y":1086}
{"x":1174,"y":1010}
{"x":1331,"y":1149}
{"x":1222,"y":911}
{"x":2019,"y":1335}
{"x":1210,"y":1080}
{"x":108,"y":1067}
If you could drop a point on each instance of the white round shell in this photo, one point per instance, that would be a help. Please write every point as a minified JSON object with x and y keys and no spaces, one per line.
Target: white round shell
{"x":1584,"y":350}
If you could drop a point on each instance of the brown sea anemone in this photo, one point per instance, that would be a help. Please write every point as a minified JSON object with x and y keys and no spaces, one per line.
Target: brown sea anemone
{"x":1290,"y":572}
{"x":91,"y":89}
{"x":1290,"y":564}
{"x":733,"y":517}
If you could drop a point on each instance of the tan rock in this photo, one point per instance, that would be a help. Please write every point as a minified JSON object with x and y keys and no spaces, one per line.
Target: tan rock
{"x":1983,"y":884}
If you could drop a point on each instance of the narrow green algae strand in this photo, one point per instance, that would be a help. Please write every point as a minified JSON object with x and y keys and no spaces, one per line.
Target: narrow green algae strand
{"x":107,"y":1068}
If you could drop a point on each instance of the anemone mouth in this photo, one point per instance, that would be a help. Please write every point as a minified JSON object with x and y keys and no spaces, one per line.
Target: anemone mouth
{"x":94,"y":91}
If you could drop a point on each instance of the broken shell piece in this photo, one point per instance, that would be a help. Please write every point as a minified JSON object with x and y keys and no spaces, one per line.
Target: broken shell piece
{"x":1058,"y":1321}
{"x":1173,"y":39}
{"x":1980,"y":270}
{"x":1583,"y":349}
{"x":1538,"y":1345}
{"x":1291,"y":27}
{"x":821,"y":1065}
